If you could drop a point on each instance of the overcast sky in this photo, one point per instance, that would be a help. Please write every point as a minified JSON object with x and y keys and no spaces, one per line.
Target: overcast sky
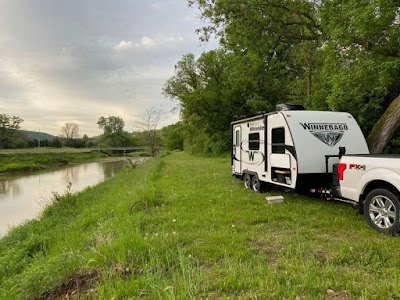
{"x":76,"y":60}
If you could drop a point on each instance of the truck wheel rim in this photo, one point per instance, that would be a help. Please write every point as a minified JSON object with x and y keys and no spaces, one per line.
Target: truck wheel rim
{"x":382,"y":211}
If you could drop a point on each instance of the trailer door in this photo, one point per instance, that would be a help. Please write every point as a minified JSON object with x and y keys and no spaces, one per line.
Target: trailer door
{"x":236,"y":150}
{"x":280,"y":160}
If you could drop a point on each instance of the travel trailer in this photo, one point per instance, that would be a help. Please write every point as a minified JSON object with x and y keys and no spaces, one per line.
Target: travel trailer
{"x":293,"y":148}
{"x":319,"y":152}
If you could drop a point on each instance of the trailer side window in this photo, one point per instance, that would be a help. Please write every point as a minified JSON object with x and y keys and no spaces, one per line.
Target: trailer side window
{"x":237,"y":139}
{"x":278,"y":140}
{"x":254,"y":141}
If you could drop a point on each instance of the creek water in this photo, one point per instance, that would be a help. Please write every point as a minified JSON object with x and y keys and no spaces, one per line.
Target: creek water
{"x":24,"y":195}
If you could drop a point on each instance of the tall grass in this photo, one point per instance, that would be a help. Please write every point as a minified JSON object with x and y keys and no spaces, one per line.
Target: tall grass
{"x":12,"y":161}
{"x":180,"y":227}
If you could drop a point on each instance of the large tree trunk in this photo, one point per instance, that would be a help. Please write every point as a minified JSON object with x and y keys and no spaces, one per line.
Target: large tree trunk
{"x":385,"y":128}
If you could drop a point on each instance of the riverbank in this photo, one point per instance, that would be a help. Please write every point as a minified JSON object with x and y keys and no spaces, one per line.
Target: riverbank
{"x":37,"y":159}
{"x":180,"y":227}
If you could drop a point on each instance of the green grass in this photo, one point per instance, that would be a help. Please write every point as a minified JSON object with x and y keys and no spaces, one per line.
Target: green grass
{"x":34,"y":159}
{"x":180,"y":227}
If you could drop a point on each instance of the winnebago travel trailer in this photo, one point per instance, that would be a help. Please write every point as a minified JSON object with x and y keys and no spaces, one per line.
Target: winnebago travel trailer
{"x":293,"y":148}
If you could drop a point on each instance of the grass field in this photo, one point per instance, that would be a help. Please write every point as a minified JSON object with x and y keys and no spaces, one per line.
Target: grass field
{"x":180,"y":227}
{"x":35,"y":159}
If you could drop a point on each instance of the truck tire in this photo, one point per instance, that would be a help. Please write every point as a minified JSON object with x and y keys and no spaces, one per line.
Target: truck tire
{"x":256,"y":184}
{"x":382,"y":209}
{"x":247,"y":181}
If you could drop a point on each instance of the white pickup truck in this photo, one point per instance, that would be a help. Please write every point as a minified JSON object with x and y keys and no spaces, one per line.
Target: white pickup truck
{"x":373,"y":183}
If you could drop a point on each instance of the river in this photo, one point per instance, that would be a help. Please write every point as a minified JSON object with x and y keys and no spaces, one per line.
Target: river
{"x":24,"y":195}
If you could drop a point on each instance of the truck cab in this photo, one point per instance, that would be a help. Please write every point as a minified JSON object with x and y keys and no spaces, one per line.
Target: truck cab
{"x":373,"y":182}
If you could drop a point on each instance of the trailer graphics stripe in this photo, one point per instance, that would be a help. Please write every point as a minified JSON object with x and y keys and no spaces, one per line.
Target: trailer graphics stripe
{"x":328,"y":133}
{"x":255,"y":157}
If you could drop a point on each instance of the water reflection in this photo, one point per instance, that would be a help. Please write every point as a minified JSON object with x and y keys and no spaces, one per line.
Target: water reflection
{"x":9,"y":187}
{"x":23,"y":196}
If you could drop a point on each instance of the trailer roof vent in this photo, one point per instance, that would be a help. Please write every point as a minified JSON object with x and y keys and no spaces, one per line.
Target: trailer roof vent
{"x":286,"y":106}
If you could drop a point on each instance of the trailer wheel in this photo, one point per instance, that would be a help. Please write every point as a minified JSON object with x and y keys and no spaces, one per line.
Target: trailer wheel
{"x":256,"y":184}
{"x":382,"y":209}
{"x":247,"y":181}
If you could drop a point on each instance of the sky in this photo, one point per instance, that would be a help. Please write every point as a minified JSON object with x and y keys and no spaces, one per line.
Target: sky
{"x":76,"y":60}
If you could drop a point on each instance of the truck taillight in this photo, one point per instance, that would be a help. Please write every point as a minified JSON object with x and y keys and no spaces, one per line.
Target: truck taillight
{"x":341,"y":168}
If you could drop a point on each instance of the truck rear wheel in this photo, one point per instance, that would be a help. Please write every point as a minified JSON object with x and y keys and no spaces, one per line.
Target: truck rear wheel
{"x":247,"y":181}
{"x":381,"y":209}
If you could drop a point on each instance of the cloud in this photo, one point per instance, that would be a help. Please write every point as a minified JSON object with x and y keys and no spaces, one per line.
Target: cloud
{"x":156,"y":6}
{"x":124,"y":45}
{"x":148,"y":42}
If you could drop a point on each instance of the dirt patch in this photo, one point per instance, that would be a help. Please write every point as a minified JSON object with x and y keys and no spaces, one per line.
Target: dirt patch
{"x":270,"y":250}
{"x":79,"y":285}
{"x":324,"y":256}
{"x":340,"y":295}
{"x":260,"y":245}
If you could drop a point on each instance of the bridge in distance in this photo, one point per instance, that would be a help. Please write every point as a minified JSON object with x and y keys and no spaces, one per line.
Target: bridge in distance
{"x":121,"y":150}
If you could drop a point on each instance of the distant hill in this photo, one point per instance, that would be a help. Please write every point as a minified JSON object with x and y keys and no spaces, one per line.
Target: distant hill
{"x":38,"y":135}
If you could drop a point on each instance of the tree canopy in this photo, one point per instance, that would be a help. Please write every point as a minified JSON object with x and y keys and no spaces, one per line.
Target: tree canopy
{"x":327,"y":55}
{"x":69,"y":131}
{"x":147,"y":122}
{"x":111,"y":124}
{"x":114,"y":134}
{"x":9,"y":126}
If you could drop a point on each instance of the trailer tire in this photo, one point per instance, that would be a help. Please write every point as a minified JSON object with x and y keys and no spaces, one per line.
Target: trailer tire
{"x":247,"y":181}
{"x":256,"y":184}
{"x":382,"y":211}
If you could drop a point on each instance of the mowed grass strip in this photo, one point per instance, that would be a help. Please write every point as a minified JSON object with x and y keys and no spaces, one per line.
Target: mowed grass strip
{"x":180,"y":227}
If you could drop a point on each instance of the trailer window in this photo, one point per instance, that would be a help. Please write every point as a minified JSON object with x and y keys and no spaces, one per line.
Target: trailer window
{"x":237,"y":139}
{"x":254,"y":141}
{"x":278,"y":140}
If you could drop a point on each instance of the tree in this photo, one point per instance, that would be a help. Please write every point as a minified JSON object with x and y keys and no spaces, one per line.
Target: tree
{"x":173,"y":136}
{"x":111,"y":124}
{"x":258,"y":66}
{"x":114,"y":134}
{"x":9,"y":126}
{"x":212,"y":90}
{"x":276,"y":39}
{"x":148,"y":122}
{"x":385,"y":128}
{"x":69,"y":131}
{"x":331,"y":55}
{"x":362,"y":50}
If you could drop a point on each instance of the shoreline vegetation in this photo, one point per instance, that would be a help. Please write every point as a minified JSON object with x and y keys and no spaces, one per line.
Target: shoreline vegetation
{"x":36,"y":159}
{"x":180,"y":227}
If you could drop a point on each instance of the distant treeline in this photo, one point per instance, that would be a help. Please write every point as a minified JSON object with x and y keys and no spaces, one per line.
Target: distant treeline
{"x":23,"y":139}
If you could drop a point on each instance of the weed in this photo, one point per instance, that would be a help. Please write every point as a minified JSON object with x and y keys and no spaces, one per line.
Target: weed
{"x":133,"y":165}
{"x":57,"y":197}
